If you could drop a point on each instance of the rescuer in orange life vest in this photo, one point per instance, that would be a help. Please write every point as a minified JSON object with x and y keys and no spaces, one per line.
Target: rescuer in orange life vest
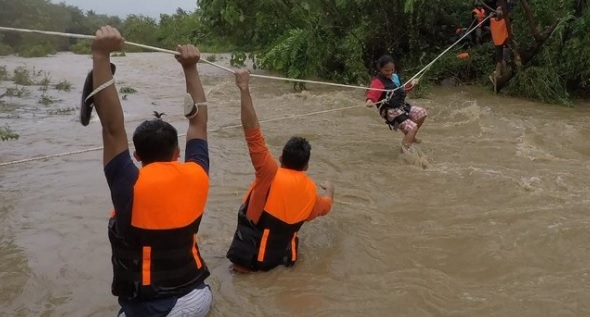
{"x":157,"y":267}
{"x":279,"y":201}
{"x":500,"y":37}
{"x":478,"y":14}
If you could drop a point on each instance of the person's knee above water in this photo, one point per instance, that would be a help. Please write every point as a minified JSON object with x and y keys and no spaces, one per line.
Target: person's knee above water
{"x":280,"y":200}
{"x":392,"y":106}
{"x":157,"y":266}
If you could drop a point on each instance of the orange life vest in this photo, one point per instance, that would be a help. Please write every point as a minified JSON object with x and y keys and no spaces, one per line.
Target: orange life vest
{"x":499,"y":31}
{"x":272,"y":241}
{"x":463,"y":55}
{"x":480,"y":13}
{"x":156,"y":255}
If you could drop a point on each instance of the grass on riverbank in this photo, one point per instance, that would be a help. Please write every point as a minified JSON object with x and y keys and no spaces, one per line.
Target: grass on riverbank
{"x":21,"y":82}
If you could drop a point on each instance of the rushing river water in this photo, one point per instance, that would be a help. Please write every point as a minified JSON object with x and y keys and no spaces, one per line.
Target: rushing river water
{"x":492,"y":220}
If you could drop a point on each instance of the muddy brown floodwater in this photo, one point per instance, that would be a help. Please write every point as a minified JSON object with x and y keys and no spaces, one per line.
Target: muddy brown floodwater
{"x":492,"y":219}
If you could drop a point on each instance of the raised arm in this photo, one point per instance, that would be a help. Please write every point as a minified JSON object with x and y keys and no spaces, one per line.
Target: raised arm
{"x":188,"y":58}
{"x":262,"y":160}
{"x":248,"y":114}
{"x":107,"y":104}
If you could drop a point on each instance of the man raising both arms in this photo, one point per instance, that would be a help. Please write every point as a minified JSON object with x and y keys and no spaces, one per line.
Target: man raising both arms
{"x":158,"y":270}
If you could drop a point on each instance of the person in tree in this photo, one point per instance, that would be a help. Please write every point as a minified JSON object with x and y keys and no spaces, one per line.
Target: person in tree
{"x":478,"y":14}
{"x":500,"y":37}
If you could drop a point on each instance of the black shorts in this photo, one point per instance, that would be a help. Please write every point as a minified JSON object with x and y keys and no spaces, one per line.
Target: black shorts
{"x":500,"y":53}
{"x":400,"y":118}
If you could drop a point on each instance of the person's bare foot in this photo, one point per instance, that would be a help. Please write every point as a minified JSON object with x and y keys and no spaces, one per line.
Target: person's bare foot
{"x":405,"y":147}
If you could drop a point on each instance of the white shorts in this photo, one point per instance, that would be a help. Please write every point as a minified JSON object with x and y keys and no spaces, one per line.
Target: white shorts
{"x":194,"y":304}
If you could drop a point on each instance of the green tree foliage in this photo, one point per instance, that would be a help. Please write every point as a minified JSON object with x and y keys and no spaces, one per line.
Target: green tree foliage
{"x":44,"y":15}
{"x":336,"y":39}
{"x":340,"y":40}
{"x":179,"y":28}
{"x":184,"y":27}
{"x":562,"y":67}
{"x":140,"y":29}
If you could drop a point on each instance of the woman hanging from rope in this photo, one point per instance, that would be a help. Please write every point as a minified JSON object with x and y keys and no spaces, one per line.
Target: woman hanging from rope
{"x":392,"y":106}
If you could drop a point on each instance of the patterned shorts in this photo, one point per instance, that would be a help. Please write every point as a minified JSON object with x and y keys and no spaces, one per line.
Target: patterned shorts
{"x":416,"y":113}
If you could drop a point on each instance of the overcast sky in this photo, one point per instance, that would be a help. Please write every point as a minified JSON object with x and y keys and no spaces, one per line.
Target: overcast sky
{"x":122,"y":8}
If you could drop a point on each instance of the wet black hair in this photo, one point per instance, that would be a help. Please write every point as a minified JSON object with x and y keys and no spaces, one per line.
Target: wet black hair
{"x":155,"y":140}
{"x":158,"y":115}
{"x":384,"y":60}
{"x":296,"y":153}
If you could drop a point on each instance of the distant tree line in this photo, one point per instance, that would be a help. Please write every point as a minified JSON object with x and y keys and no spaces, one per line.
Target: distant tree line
{"x":340,"y":40}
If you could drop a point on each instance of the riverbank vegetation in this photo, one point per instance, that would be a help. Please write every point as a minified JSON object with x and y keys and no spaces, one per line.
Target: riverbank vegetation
{"x":340,"y":40}
{"x":30,"y":92}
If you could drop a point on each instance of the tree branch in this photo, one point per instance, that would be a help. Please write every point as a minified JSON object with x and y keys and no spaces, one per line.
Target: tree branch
{"x":550,"y":30}
{"x":530,"y":54}
{"x":487,"y":6}
{"x":513,"y":44}
{"x":581,"y":6}
{"x":530,"y":18}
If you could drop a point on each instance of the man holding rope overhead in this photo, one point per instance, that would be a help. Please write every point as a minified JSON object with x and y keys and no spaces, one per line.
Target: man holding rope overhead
{"x":478,"y":14}
{"x":158,"y":270}
{"x":500,"y":37}
{"x":279,"y":201}
{"x":392,"y":105}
